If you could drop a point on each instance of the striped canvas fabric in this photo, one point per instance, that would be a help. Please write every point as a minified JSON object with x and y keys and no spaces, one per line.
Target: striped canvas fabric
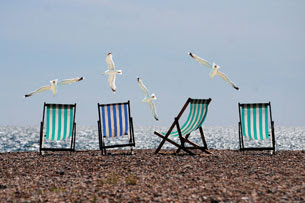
{"x":59,"y":121}
{"x":115,"y":119}
{"x":197,"y":115}
{"x":254,"y":121}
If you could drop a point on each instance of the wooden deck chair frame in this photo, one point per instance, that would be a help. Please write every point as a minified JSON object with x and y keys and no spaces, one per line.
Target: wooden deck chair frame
{"x":241,"y":136}
{"x":102,"y":144}
{"x":42,"y":135}
{"x":185,"y":139}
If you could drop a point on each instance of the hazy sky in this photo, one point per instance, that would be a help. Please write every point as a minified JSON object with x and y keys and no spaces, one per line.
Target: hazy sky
{"x":260,"y":45}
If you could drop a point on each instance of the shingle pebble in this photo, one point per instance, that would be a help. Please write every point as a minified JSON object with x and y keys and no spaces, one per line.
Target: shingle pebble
{"x":88,"y":176}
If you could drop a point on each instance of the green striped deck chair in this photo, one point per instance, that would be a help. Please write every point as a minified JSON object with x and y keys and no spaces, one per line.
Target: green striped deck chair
{"x":58,"y":125}
{"x":256,"y":124}
{"x":114,"y":122}
{"x":197,"y":114}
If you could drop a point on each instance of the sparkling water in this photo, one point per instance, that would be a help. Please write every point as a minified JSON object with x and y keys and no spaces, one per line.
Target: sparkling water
{"x":20,"y":138}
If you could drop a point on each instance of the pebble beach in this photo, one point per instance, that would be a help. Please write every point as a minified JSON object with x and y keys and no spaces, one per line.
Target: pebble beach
{"x":88,"y":176}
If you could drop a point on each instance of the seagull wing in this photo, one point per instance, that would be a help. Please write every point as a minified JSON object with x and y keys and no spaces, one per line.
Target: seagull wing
{"x":110,"y":62}
{"x":143,"y":88}
{"x":225,"y":78}
{"x":111,"y":81}
{"x":69,"y":81}
{"x":42,"y":89}
{"x":201,"y":60}
{"x":153,"y":110}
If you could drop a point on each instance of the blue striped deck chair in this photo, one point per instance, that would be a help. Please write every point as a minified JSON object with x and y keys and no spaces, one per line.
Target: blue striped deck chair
{"x":256,"y":123}
{"x":197,"y":114}
{"x":115,"y":121}
{"x":60,"y":126}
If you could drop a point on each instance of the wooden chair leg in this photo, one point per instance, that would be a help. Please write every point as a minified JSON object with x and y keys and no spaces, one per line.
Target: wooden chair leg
{"x":102,"y":145}
{"x":197,"y":146}
{"x":131,"y":150}
{"x":273,"y":137}
{"x":204,"y":149}
{"x":174,"y":143}
{"x":241,"y":139}
{"x":182,"y":142}
{"x":161,"y":143}
{"x":203,"y":138}
{"x":239,"y":131}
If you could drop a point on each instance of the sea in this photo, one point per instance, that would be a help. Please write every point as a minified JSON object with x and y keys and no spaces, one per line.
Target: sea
{"x":26,"y":138}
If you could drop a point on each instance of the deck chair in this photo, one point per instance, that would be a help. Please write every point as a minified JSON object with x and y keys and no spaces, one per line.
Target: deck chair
{"x":115,"y":121}
{"x":59,"y":120}
{"x":195,"y":119}
{"x":256,"y":123}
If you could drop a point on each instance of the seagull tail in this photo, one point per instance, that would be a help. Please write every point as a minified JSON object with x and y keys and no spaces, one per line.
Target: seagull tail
{"x":213,"y":73}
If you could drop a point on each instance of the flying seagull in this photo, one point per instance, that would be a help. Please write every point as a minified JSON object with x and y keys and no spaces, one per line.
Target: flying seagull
{"x":214,"y":68}
{"x":111,"y":72}
{"x":148,"y":98}
{"x":53,"y":86}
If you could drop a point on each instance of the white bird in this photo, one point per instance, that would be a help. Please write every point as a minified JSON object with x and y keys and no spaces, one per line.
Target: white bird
{"x":53,"y":86}
{"x":111,"y":72}
{"x":214,"y":68}
{"x":148,"y":98}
